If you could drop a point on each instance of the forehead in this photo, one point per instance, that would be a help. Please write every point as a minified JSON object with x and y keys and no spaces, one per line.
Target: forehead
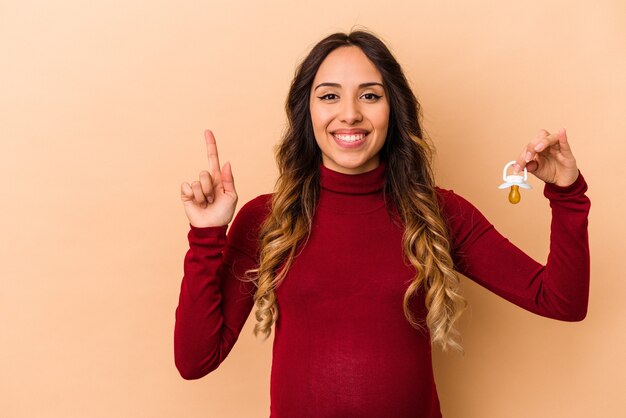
{"x":347,"y":64}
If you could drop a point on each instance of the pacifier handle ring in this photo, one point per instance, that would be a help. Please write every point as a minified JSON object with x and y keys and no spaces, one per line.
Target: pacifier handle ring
{"x":506,"y":167}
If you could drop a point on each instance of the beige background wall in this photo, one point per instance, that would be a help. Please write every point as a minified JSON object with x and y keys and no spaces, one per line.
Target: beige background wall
{"x":102,"y":108}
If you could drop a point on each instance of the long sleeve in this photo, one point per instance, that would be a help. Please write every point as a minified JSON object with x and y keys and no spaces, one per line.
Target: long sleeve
{"x":559,"y":289}
{"x":214,"y":302}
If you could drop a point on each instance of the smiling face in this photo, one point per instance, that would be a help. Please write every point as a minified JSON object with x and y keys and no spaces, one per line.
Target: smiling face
{"x":349,"y":111}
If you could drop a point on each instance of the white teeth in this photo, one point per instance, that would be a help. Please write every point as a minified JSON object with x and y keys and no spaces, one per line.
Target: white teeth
{"x":350,"y":138}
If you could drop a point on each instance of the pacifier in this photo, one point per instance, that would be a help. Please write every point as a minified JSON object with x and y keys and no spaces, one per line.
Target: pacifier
{"x":514,"y":181}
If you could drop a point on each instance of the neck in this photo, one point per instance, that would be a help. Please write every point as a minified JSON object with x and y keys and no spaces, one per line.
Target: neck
{"x":352,"y":193}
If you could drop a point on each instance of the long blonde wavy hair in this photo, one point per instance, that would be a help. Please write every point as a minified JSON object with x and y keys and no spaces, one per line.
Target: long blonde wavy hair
{"x":409,"y":186}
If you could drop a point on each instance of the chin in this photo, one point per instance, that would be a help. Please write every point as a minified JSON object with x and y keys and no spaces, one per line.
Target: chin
{"x":354,"y":167}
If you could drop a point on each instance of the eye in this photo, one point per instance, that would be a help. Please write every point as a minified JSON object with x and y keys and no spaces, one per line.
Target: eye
{"x":371,"y":96}
{"x":328,"y":96}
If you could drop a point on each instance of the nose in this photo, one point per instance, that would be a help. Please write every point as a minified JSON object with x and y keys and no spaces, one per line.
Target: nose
{"x":350,"y":112}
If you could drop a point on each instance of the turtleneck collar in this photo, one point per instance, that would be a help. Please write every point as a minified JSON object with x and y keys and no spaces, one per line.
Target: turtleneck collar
{"x":352,"y":193}
{"x":354,"y":184}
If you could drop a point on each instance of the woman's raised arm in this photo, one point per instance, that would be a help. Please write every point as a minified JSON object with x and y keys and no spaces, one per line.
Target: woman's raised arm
{"x":560,"y":288}
{"x":214,"y":303}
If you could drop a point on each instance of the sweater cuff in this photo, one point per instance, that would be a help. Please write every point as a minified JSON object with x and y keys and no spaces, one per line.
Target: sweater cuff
{"x":578,"y":187}
{"x":208,"y":231}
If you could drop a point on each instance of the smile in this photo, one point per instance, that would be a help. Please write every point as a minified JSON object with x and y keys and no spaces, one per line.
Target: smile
{"x":349,"y":140}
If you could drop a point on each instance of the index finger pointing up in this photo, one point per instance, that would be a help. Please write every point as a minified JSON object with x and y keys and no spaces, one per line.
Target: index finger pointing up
{"x":211,"y":149}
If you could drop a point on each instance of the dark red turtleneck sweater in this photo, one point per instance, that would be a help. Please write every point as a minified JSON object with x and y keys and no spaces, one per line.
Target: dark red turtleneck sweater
{"x":342,"y":345}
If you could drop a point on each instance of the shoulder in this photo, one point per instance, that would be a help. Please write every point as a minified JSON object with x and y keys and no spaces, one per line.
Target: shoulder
{"x":463,"y":219}
{"x":256,"y":208}
{"x":451,"y":203}
{"x":244,"y":230}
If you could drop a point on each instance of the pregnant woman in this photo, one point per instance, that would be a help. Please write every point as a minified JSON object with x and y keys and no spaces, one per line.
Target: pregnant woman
{"x":354,"y":259}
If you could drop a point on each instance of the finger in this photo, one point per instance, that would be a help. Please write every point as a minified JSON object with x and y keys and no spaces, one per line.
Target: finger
{"x":228,"y":182}
{"x":528,"y":152}
{"x":198,"y":195}
{"x":186,"y":193}
{"x":564,"y":143}
{"x":532,"y":166}
{"x":520,"y":162}
{"x":542,"y":141}
{"x":206,"y":183}
{"x":211,"y":145}
{"x":524,"y":157}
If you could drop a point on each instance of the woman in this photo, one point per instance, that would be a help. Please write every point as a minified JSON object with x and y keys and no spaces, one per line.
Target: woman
{"x":355,"y":256}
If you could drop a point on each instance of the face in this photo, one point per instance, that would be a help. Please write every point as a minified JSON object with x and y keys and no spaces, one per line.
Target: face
{"x":349,"y":111}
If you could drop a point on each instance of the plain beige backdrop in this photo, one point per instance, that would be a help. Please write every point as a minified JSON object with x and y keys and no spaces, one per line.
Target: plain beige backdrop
{"x":102,"y":108}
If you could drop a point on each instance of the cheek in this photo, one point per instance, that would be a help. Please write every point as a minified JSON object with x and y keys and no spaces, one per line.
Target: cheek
{"x":382,"y":120}
{"x":320,"y":117}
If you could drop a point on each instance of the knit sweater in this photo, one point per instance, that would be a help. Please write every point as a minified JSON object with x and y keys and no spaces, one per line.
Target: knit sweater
{"x":342,"y":345}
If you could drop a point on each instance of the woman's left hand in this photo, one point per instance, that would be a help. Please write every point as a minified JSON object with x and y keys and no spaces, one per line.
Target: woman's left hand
{"x":549,"y":157}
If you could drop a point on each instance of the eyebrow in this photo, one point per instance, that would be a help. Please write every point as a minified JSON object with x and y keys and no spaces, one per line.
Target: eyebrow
{"x":363,"y":85}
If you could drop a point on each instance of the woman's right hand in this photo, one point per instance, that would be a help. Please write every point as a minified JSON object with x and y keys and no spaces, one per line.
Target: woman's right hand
{"x":211,"y":200}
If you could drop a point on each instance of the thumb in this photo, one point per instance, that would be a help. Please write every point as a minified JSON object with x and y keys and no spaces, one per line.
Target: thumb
{"x":186,"y":193}
{"x":532,"y":166}
{"x":228,"y":182}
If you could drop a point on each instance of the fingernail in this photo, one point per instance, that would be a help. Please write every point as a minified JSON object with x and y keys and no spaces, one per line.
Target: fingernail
{"x":529,"y":156}
{"x":210,"y":199}
{"x":539,"y":147}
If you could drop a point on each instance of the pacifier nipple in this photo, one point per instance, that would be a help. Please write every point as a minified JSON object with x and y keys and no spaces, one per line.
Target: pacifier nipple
{"x":514,"y":196}
{"x":514,"y":181}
